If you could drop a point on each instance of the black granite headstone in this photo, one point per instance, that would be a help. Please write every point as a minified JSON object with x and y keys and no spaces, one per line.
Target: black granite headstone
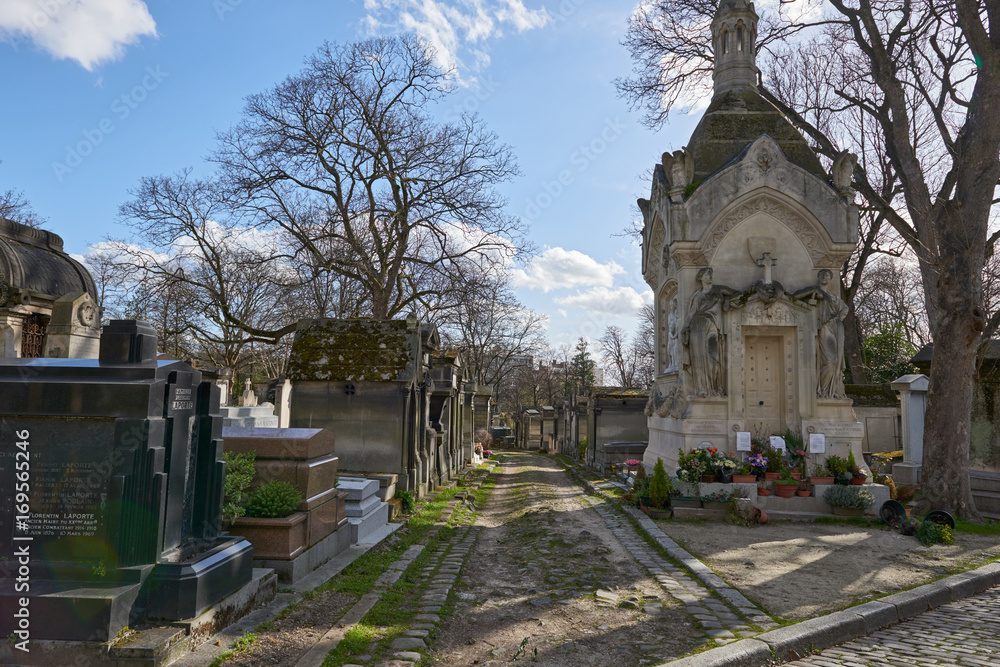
{"x":115,"y":477}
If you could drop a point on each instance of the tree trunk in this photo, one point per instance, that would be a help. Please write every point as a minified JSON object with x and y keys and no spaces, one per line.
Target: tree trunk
{"x":948,"y":421}
{"x":854,"y":348}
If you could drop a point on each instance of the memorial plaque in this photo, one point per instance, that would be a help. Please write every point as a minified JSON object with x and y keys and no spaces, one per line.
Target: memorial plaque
{"x":777,"y":442}
{"x":743,"y":443}
{"x":817,"y":443}
{"x":68,"y":482}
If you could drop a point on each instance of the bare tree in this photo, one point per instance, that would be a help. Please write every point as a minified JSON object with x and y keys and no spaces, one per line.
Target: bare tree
{"x":491,"y":328}
{"x":347,"y":160}
{"x":14,"y":206}
{"x":626,"y":360}
{"x":927,"y":75}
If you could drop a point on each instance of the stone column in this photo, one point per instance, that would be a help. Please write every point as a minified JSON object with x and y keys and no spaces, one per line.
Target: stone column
{"x":913,"y":401}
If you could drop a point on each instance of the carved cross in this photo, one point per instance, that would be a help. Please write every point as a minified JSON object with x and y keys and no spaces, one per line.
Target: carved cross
{"x":766,"y":262}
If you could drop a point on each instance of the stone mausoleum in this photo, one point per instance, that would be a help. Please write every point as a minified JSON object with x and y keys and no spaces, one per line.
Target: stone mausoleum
{"x":744,"y":237}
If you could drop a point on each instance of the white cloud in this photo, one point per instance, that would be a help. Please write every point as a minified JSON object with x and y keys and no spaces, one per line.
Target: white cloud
{"x":457,"y":29}
{"x":558,"y":268}
{"x":608,"y":301}
{"x":88,"y":31}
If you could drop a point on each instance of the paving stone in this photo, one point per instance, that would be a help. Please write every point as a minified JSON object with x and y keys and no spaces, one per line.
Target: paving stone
{"x":406,"y":643}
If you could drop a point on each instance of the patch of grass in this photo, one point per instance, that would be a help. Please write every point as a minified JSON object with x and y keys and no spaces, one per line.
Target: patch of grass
{"x":238,"y":647}
{"x":989,"y":527}
{"x":357,"y":640}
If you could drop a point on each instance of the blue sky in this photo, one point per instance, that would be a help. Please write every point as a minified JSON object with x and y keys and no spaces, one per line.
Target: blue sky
{"x":101,"y":92}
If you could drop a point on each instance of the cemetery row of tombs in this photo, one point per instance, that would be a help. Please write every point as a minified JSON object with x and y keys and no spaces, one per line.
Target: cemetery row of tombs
{"x":115,"y":458}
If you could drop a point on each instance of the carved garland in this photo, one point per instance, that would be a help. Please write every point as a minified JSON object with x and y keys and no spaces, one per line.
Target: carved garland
{"x":792,"y":219}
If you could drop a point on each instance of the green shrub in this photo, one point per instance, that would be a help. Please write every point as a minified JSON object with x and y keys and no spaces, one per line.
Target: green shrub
{"x":274,"y":500}
{"x":659,"y":485}
{"x":406,"y":502}
{"x":582,"y":447}
{"x":837,"y":466}
{"x":931,"y":533}
{"x":239,"y":476}
{"x":856,"y":497}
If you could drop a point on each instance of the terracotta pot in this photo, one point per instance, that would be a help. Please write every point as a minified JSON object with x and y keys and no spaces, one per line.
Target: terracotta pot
{"x":762,"y":518}
{"x":796,"y":475}
{"x":858,"y":481}
{"x":744,"y":479}
{"x":763,"y":492}
{"x":826,"y":479}
{"x":803,"y":494}
{"x":772,"y":475}
{"x":785,"y":490}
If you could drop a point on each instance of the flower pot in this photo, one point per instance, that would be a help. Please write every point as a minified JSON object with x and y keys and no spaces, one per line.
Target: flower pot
{"x":803,"y":494}
{"x":858,"y":481}
{"x":708,"y":479}
{"x":645,"y":503}
{"x":273,"y":539}
{"x":796,"y":475}
{"x":658,"y":514}
{"x":772,"y":475}
{"x":826,"y":479}
{"x":725,"y":477}
{"x":848,"y":511}
{"x":744,"y":479}
{"x":763,"y":492}
{"x":785,"y":490}
{"x":762,"y":517}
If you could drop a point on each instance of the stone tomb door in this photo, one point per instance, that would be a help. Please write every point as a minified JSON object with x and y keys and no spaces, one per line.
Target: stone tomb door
{"x":763,"y":372}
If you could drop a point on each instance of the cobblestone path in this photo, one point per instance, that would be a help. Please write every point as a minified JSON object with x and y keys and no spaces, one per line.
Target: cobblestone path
{"x":564,"y":578}
{"x":964,"y":633}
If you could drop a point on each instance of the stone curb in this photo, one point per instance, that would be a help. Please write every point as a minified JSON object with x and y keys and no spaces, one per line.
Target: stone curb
{"x":794,"y":642}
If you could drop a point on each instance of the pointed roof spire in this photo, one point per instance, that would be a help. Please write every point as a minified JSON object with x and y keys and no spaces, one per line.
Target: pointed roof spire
{"x":734,"y":39}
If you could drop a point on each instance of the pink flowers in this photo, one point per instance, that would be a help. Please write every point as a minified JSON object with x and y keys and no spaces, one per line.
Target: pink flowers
{"x":631,"y":463}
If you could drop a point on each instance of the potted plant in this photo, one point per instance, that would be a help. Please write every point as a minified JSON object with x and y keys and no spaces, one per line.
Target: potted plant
{"x":744,"y":473}
{"x":659,"y":491}
{"x":804,"y":489}
{"x":775,"y":464}
{"x":849,"y":500}
{"x":857,"y":476}
{"x":725,"y":467}
{"x":693,"y":465}
{"x":820,"y":475}
{"x":839,"y":469}
{"x":271,"y":523}
{"x":715,"y":501}
{"x":786,"y":485}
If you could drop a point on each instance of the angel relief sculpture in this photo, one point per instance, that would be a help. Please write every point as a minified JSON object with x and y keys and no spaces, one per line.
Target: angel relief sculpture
{"x":704,"y":338}
{"x":830,"y":313}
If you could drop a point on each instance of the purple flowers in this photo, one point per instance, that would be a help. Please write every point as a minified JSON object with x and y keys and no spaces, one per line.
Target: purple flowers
{"x":757,"y":462}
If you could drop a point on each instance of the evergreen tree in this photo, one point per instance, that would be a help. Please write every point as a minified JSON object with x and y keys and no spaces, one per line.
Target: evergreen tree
{"x":581,"y":369}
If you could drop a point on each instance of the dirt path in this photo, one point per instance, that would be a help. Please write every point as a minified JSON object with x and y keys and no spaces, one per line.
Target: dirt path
{"x":548,"y":581}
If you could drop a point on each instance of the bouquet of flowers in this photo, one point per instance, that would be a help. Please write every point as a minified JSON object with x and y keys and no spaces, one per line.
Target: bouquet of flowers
{"x":694,"y":464}
{"x":758,"y":463}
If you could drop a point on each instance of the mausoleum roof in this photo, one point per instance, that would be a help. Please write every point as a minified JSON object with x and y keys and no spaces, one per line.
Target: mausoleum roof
{"x":32,"y":261}
{"x":734,"y":120}
{"x":355,"y":350}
